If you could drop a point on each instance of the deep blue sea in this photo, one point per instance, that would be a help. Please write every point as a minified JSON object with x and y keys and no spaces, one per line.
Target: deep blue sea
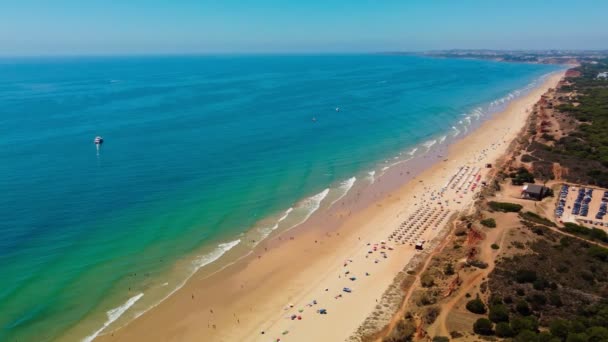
{"x":197,"y":151}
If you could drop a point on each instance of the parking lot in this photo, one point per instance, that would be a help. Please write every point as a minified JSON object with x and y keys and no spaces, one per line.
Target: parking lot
{"x":582,"y":205}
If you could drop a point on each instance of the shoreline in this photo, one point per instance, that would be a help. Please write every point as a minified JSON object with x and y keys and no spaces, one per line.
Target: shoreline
{"x":335,"y":231}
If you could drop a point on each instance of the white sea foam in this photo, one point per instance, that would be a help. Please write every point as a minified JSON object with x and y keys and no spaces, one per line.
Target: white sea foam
{"x":456,"y":131}
{"x":429,"y":144}
{"x":344,"y":188}
{"x":411,"y":153}
{"x":113,"y":315}
{"x":265,"y":231}
{"x":286,"y":214}
{"x":385,"y":168}
{"x":477,"y":113}
{"x":220,"y":250}
{"x":442,"y":139}
{"x":311,"y":204}
{"x":371,"y":175}
{"x":198,"y":263}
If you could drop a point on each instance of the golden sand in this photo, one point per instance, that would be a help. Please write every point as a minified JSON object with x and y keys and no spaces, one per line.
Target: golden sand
{"x":287,"y":273}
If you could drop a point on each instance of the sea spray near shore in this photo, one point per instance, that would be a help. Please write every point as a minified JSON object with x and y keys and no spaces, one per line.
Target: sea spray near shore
{"x":221,"y":249}
{"x":371,"y":176}
{"x":344,"y":188}
{"x":113,"y":315}
{"x":265,"y":231}
{"x":223,"y":160}
{"x":311,"y":204}
{"x":429,"y":144}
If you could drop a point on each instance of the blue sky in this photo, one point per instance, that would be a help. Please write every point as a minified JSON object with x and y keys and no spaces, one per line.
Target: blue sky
{"x":40,"y":27}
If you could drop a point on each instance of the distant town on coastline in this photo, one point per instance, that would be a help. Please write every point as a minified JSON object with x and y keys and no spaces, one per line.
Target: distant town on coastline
{"x":520,"y":56}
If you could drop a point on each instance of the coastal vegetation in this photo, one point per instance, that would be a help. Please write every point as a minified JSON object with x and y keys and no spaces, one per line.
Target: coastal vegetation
{"x":558,"y":291}
{"x":531,"y":278}
{"x":489,"y":222}
{"x":575,"y":134}
{"x":505,"y":207}
{"x":521,"y":176}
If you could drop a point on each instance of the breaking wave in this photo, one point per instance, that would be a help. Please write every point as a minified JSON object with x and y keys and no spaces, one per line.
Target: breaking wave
{"x":344,"y":187}
{"x":113,"y":315}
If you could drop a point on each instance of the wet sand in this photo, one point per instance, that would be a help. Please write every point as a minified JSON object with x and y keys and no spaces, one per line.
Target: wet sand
{"x":289,"y":272}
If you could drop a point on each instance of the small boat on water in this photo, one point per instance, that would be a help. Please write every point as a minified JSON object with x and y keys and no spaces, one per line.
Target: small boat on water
{"x":98,"y":140}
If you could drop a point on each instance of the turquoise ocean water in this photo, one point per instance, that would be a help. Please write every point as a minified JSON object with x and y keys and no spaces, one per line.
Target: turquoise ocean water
{"x":197,"y":151}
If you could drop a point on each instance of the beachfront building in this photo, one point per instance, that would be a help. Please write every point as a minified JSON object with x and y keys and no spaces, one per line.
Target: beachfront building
{"x":534,"y":191}
{"x":602,"y":75}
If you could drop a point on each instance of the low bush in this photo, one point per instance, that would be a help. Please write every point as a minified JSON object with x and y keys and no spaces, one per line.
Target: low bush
{"x":525,"y":276}
{"x":477,"y":263}
{"x":441,"y":339}
{"x":483,"y":326}
{"x":476,"y":306}
{"x":427,"y":280}
{"x":448,"y":270}
{"x":534,"y":217}
{"x":503,"y":329}
{"x":489,"y":222}
{"x":598,"y":252}
{"x":431,"y":314}
{"x":589,"y":233}
{"x":505,"y":207}
{"x":499,"y":313}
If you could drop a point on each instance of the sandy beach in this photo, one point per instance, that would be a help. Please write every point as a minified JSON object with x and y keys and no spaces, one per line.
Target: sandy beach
{"x":340,"y":262}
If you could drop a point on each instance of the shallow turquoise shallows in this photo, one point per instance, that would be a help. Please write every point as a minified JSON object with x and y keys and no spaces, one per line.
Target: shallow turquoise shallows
{"x":197,"y":150}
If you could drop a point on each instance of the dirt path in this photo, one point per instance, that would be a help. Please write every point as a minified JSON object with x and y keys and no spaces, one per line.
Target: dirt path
{"x":400,"y":313}
{"x":486,"y":254}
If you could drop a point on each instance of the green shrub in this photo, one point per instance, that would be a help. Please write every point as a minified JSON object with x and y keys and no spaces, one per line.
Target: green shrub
{"x":404,"y":331}
{"x":427,"y":280}
{"x":478,"y":263}
{"x":598,"y":252}
{"x":448,"y":269}
{"x":555,"y":300}
{"x":520,"y":324}
{"x":526,"y":336}
{"x":526,"y":158}
{"x":589,"y":233}
{"x":577,"y":337}
{"x":505,"y":207}
{"x":476,"y":306}
{"x":441,"y":339}
{"x":538,"y":300}
{"x":523,"y":308}
{"x":559,"y":328}
{"x":534,"y":217}
{"x":546,"y":336}
{"x":503,"y":329}
{"x":521,"y":176}
{"x":431,"y":314}
{"x":483,"y":326}
{"x":597,"y":334}
{"x":499,"y":313}
{"x":489,"y":222}
{"x":525,"y":276}
{"x":540,"y":284}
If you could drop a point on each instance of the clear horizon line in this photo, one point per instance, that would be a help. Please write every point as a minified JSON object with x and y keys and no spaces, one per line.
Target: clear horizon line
{"x":274,"y":53}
